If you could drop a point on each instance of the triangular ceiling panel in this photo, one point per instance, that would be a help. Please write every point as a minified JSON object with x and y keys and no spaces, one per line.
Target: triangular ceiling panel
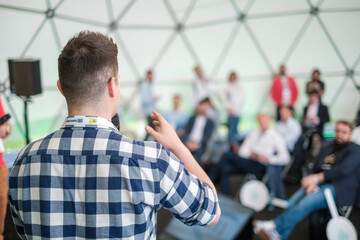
{"x":357,"y":82}
{"x":125,"y":71}
{"x":211,"y":10}
{"x":241,"y":4}
{"x":118,"y":7}
{"x":335,"y":23}
{"x":34,"y":4}
{"x":95,"y":10}
{"x":180,"y":7}
{"x":155,"y":14}
{"x":176,"y":64}
{"x":265,"y":6}
{"x":315,"y":2}
{"x":243,"y":57}
{"x":357,"y":69}
{"x":252,"y":102}
{"x":332,"y":86}
{"x":15,"y":35}
{"x":67,"y":29}
{"x":340,"y":4}
{"x":271,"y":33}
{"x":209,"y":48}
{"x":348,"y":95}
{"x":48,"y":58}
{"x":149,"y":42}
{"x":314,"y":49}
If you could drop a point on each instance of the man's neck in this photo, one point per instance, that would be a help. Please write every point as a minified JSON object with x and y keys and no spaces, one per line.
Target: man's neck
{"x":89,"y":111}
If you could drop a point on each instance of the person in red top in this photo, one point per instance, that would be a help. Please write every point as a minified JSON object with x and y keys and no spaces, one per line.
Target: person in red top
{"x":5,"y":130}
{"x":283,"y":90}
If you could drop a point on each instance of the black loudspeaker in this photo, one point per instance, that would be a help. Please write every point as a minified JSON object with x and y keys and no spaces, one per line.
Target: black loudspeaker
{"x":24,"y":75}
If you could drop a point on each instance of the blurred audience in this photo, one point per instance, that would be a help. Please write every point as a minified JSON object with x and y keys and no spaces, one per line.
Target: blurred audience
{"x":148,"y":99}
{"x":337,"y":168}
{"x":315,"y":83}
{"x":176,"y":117}
{"x":283,"y":90}
{"x":198,"y":130}
{"x":288,"y":128}
{"x":232,"y":97}
{"x":315,"y":115}
{"x":260,"y":150}
{"x":307,"y":148}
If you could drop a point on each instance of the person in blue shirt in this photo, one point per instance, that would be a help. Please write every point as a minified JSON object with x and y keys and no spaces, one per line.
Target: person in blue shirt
{"x":148,"y":99}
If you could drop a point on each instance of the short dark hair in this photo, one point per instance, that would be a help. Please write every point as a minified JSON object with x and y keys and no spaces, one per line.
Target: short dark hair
{"x":205,"y":100}
{"x":346,"y":123}
{"x":85,"y":64}
{"x":316,"y":70}
{"x":314,"y":92}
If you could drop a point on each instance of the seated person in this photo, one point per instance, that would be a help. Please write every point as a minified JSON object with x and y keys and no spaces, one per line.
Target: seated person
{"x":307,"y":148}
{"x":337,"y":168}
{"x":177,"y":118}
{"x":288,"y":127}
{"x":315,"y":115}
{"x":198,"y":130}
{"x":261,"y":148}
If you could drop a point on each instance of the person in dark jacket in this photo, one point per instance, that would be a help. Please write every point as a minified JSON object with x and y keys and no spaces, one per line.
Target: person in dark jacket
{"x":198,"y":130}
{"x":337,"y":168}
{"x":315,"y":115}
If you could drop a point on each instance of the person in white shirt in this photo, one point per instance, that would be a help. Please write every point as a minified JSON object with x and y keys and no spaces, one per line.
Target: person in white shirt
{"x":202,"y":87}
{"x":288,"y":128}
{"x":261,"y":148}
{"x":232,"y":97}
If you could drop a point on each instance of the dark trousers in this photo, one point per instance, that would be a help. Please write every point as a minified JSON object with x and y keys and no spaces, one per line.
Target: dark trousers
{"x":231,"y":163}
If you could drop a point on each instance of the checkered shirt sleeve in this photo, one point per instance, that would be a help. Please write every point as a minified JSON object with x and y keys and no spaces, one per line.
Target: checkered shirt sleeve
{"x":88,"y":183}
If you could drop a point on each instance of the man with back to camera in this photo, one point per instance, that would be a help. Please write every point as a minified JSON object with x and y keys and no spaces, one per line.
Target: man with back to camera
{"x":87,"y":180}
{"x":337,"y":168}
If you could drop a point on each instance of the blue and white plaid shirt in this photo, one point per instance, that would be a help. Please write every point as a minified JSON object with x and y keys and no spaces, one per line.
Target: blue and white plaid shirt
{"x":87,"y":181}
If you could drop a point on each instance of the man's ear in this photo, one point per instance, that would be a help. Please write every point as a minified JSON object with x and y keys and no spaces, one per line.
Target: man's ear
{"x":59,"y":87}
{"x":111,"y":86}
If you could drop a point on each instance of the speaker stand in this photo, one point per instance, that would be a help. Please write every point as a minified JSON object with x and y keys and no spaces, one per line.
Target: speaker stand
{"x":27,"y":134}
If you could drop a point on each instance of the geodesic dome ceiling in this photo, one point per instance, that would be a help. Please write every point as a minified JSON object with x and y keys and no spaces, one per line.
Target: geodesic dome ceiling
{"x":251,"y":37}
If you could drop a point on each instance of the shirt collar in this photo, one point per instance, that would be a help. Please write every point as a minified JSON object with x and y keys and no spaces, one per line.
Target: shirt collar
{"x":88,"y":121}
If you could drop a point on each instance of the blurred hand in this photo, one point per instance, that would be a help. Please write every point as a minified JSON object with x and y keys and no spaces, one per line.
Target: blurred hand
{"x":311,"y":188}
{"x":5,"y":129}
{"x":163,"y":133}
{"x":308,"y":181}
{"x":262,"y":158}
{"x":192,"y":146}
{"x":254,"y":156}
